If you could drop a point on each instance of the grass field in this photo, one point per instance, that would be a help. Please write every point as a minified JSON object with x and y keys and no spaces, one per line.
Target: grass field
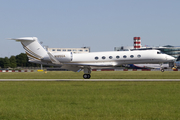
{"x":89,"y":100}
{"x":94,"y":75}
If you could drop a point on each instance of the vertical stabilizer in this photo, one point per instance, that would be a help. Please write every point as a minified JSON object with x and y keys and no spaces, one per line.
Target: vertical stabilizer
{"x":33,"y":49}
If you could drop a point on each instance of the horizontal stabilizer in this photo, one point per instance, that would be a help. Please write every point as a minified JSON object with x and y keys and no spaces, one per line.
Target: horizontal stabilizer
{"x":24,"y":39}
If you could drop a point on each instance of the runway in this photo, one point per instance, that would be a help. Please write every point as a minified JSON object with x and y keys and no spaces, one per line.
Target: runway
{"x":93,"y":80}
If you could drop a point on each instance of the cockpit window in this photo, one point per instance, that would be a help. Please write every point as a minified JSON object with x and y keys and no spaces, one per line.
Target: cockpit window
{"x":158,"y":52}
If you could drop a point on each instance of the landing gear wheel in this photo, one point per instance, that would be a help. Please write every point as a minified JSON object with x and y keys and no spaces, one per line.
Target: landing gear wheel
{"x":162,"y":70}
{"x":86,"y":76}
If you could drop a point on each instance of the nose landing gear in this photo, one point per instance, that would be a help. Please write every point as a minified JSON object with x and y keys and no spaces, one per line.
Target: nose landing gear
{"x":161,"y":67}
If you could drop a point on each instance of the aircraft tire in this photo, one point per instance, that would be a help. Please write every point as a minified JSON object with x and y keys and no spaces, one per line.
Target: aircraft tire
{"x":89,"y":76}
{"x":86,"y":76}
{"x":162,"y":70}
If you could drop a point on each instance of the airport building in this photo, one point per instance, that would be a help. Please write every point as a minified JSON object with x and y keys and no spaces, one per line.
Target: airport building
{"x":168,"y":49}
{"x":171,"y":50}
{"x":74,"y":50}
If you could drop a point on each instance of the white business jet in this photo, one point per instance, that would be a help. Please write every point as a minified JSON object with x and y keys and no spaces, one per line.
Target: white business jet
{"x":84,"y":61}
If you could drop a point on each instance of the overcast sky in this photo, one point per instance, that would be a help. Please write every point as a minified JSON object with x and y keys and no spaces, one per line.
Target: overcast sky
{"x":98,"y":24}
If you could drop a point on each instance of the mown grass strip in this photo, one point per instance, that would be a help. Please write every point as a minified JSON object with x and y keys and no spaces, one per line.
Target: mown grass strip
{"x":94,"y":75}
{"x":89,"y":100}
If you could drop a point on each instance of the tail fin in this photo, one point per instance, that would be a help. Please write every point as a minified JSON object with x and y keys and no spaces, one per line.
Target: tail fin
{"x":33,"y":49}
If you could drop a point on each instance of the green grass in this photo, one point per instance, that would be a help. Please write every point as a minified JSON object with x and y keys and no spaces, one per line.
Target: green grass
{"x":89,"y":100}
{"x":94,"y":75}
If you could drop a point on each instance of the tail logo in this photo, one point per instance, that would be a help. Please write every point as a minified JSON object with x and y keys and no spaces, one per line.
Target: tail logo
{"x":31,"y":55}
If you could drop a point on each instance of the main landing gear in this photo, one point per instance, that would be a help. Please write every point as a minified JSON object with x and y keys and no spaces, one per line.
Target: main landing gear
{"x":87,"y":72}
{"x":86,"y":76}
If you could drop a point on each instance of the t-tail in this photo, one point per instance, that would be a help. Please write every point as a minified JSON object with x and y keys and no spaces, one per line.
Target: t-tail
{"x":33,"y":49}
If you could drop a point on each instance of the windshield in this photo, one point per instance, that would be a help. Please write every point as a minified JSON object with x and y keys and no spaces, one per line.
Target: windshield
{"x":159,"y":52}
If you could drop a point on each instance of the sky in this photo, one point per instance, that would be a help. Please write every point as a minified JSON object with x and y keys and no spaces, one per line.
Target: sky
{"x":98,"y":24}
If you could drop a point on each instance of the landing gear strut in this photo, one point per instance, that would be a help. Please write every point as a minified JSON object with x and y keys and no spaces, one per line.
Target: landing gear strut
{"x":161,"y":68}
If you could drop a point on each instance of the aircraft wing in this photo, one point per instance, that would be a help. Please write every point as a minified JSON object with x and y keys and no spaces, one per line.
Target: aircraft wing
{"x":74,"y":68}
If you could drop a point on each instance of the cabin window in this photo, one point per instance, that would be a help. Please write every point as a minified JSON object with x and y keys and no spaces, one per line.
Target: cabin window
{"x":53,"y":50}
{"x":117,"y":57}
{"x":138,"y":56}
{"x":124,"y":56}
{"x":96,"y":58}
{"x":64,"y":49}
{"x":131,"y":56}
{"x":69,"y":50}
{"x":58,"y":49}
{"x":110,"y":57}
{"x":103,"y":57}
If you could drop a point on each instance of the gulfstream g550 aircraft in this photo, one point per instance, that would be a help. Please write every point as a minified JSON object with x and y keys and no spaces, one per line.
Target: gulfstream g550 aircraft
{"x":84,"y":61}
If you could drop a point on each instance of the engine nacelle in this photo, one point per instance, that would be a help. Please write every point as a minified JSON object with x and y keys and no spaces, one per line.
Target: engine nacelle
{"x":60,"y":56}
{"x":63,"y":56}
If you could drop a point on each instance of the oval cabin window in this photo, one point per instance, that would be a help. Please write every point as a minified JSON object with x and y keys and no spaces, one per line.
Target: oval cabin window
{"x":117,"y":57}
{"x":96,"y":58}
{"x":138,"y":56}
{"x":131,"y":56}
{"x":103,"y":57}
{"x":124,"y":56}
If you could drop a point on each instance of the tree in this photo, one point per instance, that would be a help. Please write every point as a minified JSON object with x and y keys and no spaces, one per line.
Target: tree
{"x":13,"y":63}
{"x":1,"y":62}
{"x":21,"y":60}
{"x":6,"y":62}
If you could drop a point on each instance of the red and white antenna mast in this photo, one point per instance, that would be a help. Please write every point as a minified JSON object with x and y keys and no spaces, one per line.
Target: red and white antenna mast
{"x":137,"y":42}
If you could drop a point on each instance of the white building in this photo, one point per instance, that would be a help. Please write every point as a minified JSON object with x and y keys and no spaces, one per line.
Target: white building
{"x":74,"y":50}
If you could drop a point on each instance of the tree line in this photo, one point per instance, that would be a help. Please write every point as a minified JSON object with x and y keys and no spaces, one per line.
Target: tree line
{"x":20,"y":60}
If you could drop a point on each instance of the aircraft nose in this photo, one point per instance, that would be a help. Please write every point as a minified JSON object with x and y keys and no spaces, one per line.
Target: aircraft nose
{"x":170,"y":58}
